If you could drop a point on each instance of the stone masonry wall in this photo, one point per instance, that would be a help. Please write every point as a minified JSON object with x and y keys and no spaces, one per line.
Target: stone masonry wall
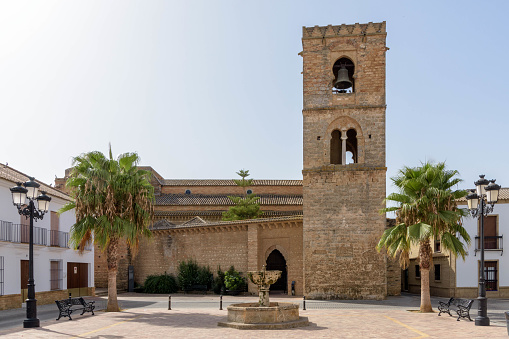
{"x":341,"y":221}
{"x":245,"y":246}
{"x":341,"y":229}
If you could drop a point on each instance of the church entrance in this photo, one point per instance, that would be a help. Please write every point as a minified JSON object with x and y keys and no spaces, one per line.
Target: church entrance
{"x":276,"y":261}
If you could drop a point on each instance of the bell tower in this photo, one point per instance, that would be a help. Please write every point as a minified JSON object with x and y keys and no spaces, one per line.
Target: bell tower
{"x":344,"y":160}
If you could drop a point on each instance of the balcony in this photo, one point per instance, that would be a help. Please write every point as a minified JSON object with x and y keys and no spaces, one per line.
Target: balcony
{"x":18,"y":233}
{"x":492,"y":243}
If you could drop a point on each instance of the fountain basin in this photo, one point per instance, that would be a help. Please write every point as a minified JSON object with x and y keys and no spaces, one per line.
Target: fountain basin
{"x":275,"y":316}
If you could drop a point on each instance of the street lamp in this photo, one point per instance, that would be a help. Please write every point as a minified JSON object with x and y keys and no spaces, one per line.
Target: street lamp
{"x":486,"y":193}
{"x":19,"y":196}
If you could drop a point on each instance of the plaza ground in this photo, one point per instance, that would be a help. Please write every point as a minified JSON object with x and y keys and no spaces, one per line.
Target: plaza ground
{"x":196,"y":316}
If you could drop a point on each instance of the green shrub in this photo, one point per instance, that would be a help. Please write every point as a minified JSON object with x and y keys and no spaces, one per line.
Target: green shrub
{"x":218,"y":285}
{"x":188,"y":274}
{"x":164,"y":283}
{"x":204,"y":277}
{"x":233,"y":280}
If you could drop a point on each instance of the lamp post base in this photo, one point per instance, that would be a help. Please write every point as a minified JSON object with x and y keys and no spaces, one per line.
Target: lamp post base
{"x":482,"y":313}
{"x":482,"y":321}
{"x":30,"y":323}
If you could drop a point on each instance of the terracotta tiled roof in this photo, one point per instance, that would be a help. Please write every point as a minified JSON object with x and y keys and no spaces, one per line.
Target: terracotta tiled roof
{"x":502,"y":195}
{"x":220,"y":212}
{"x":221,"y":182}
{"x":209,"y":199}
{"x":10,"y":174}
{"x":237,"y":222}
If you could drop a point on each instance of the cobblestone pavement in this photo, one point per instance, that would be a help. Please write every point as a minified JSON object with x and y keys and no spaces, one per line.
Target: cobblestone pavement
{"x":196,"y":316}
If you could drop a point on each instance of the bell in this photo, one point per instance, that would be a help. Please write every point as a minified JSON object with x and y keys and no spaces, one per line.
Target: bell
{"x":343,"y":81}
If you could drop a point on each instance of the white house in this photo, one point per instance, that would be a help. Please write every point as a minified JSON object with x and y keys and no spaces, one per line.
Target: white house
{"x":496,"y":262}
{"x":450,"y":276}
{"x":58,"y":270}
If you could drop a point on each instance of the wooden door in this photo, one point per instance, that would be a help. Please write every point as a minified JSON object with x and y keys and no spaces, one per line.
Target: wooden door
{"x":490,"y":232}
{"x":24,"y":279}
{"x":77,"y":278}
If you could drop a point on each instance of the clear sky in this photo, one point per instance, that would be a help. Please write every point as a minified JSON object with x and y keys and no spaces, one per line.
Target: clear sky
{"x":201,"y":89}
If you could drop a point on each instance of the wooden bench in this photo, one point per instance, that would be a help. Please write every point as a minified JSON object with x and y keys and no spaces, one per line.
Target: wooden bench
{"x":67,"y":306}
{"x":461,"y":307}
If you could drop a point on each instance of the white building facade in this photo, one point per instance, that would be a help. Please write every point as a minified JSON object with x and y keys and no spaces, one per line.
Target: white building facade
{"x":496,"y":262}
{"x":58,"y":270}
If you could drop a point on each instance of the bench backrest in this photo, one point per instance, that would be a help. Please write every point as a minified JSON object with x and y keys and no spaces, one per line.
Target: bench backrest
{"x":463,"y":302}
{"x":62,"y":304}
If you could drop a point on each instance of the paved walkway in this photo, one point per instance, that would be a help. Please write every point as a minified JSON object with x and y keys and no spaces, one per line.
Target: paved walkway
{"x":196,"y":316}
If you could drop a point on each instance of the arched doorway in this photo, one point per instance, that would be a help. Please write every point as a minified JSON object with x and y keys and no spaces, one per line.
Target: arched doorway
{"x":276,"y":261}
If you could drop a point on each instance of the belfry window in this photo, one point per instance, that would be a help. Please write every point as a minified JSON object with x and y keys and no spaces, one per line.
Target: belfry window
{"x":343,"y":147}
{"x":343,"y":71}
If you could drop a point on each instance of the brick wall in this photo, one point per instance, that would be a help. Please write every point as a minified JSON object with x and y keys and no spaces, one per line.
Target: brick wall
{"x":293,"y":190}
{"x":10,"y":301}
{"x":245,"y":246}
{"x":101,"y":267}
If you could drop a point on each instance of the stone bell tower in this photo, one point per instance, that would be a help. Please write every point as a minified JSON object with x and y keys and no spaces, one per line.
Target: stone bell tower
{"x":344,"y":160}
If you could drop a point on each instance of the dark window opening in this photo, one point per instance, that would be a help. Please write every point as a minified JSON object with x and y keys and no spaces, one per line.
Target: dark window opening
{"x":335,"y":147}
{"x":437,"y":272}
{"x":351,"y":146}
{"x":343,"y":71}
{"x":490,"y":272}
{"x":249,"y":192}
{"x":417,"y":271}
{"x":437,"y":245}
{"x":188,"y":191}
{"x":343,"y":149}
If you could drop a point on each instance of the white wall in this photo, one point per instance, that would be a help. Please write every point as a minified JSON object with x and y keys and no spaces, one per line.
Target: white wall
{"x":467,"y":271}
{"x":14,"y":252}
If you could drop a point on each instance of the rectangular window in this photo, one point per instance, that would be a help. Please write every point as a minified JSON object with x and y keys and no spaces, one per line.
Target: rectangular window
{"x":490,"y":271}
{"x":2,"y":275}
{"x":437,"y":245}
{"x":417,"y":271}
{"x":55,"y":225}
{"x":56,"y":274}
{"x":437,"y":272}
{"x":490,"y":232}
{"x":24,"y":229}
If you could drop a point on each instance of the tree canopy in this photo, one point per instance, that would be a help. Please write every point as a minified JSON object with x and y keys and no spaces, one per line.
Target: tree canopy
{"x":426,"y":209}
{"x":113,"y":200}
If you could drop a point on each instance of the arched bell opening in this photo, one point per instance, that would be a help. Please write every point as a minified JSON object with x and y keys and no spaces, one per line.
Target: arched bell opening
{"x":335,"y":147}
{"x":343,"y":71}
{"x":276,"y":261}
{"x":351,"y":146}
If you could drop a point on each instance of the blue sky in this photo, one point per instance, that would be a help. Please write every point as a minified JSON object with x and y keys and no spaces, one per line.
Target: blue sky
{"x":201,"y":89}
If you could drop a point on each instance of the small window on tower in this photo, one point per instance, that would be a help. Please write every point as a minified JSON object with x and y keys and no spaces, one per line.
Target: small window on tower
{"x":343,"y":71}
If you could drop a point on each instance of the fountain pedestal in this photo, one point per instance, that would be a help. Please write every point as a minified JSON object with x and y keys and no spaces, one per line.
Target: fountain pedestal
{"x":264,"y":314}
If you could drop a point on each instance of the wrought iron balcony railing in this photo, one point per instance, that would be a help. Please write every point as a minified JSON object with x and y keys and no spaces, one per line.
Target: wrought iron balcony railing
{"x":18,"y":233}
{"x":492,"y":243}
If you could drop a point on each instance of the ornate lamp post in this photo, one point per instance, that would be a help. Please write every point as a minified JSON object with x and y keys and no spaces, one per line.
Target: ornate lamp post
{"x":19,"y":196}
{"x":486,"y":193}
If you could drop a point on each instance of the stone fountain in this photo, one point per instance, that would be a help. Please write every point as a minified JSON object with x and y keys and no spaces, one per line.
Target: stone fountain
{"x":264,"y":314}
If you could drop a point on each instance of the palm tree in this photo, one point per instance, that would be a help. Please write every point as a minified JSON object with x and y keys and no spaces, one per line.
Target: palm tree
{"x":113,"y":200}
{"x":425,"y":209}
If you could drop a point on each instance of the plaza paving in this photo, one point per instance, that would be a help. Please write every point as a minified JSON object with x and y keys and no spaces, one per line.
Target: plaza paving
{"x":196,"y":316}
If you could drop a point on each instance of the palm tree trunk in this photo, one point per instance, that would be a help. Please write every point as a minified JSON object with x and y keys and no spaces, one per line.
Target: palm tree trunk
{"x":112,"y":259}
{"x":425,"y":293}
{"x":425,"y":263}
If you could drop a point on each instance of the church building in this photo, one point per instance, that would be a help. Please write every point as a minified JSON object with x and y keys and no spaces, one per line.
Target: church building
{"x":320,"y":231}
